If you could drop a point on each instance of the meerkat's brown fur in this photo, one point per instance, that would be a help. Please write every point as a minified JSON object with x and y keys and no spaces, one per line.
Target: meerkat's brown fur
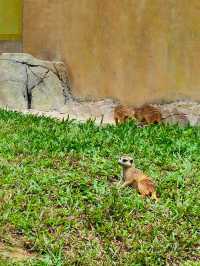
{"x":122,"y":113}
{"x":136,"y":178}
{"x":148,"y":114}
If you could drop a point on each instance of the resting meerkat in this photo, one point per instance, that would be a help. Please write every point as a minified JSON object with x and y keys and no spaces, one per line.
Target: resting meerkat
{"x":136,"y":178}
{"x":145,"y":114}
{"x":148,"y":114}
{"x":123,"y":113}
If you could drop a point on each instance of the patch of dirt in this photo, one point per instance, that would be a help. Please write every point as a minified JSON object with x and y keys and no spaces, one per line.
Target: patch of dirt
{"x":15,"y":253}
{"x":14,"y":245}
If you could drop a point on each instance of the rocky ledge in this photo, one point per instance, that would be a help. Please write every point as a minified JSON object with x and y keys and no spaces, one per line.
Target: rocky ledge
{"x":42,"y":88}
{"x":29,"y":83}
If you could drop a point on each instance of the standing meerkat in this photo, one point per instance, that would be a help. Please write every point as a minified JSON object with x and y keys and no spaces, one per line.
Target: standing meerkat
{"x":136,"y":178}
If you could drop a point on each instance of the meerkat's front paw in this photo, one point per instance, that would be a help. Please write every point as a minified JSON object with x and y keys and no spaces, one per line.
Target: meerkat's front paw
{"x":119,"y":185}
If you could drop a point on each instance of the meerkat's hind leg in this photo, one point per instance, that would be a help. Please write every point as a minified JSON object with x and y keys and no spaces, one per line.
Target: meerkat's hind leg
{"x":154,"y":196}
{"x":142,"y":124}
{"x":143,"y":195}
{"x":119,"y":183}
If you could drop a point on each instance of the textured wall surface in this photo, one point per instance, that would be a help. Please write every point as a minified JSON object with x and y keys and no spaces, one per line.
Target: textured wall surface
{"x":10,"y":46}
{"x":137,"y":51}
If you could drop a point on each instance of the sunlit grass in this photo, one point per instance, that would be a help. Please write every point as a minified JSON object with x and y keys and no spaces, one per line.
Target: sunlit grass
{"x":58,"y":199}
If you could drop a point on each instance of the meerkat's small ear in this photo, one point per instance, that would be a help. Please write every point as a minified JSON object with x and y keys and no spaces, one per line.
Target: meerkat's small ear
{"x":131,"y":161}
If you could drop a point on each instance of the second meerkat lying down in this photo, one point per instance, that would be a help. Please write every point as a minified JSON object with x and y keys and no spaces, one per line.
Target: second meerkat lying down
{"x":147,"y":114}
{"x":136,"y":178}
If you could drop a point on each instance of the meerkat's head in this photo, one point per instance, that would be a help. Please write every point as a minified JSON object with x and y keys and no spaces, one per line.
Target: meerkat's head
{"x":133,"y":112}
{"x":126,"y":161}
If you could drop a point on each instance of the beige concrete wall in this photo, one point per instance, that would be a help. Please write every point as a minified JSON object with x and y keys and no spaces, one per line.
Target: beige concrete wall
{"x":135,"y":50}
{"x":10,"y":46}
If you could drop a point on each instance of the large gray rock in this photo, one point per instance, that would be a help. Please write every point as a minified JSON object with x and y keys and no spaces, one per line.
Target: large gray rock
{"x":27,"y":82}
{"x":12,"y":85}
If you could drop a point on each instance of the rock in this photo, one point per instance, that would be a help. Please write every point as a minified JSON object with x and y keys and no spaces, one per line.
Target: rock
{"x":101,"y":111}
{"x":175,"y":116}
{"x":190,"y":109}
{"x":27,"y":82}
{"x":12,"y":85}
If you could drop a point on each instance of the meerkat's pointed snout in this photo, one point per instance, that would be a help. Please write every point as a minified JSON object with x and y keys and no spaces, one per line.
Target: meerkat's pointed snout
{"x":119,"y":162}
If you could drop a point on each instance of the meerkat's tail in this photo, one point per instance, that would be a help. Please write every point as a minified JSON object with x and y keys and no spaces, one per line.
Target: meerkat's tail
{"x":154,"y":196}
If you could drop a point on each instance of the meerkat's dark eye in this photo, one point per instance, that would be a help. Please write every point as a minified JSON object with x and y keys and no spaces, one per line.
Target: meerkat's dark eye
{"x":131,"y":161}
{"x":124,"y":160}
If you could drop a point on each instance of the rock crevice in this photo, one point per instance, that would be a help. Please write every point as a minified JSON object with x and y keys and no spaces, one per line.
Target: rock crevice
{"x":42,"y":85}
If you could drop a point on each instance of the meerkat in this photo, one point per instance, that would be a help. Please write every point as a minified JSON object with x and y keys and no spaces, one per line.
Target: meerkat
{"x":136,"y":178}
{"x":122,"y":113}
{"x":148,"y":114}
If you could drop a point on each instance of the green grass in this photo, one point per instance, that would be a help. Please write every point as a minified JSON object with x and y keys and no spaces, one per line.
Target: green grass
{"x":58,"y":199}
